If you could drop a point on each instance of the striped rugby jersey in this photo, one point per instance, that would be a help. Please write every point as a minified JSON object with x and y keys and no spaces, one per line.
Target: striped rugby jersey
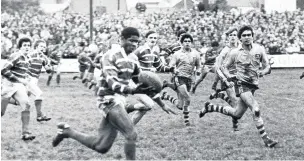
{"x":149,"y":59}
{"x":16,"y":67}
{"x":185,"y":62}
{"x":37,"y":60}
{"x":118,"y":69}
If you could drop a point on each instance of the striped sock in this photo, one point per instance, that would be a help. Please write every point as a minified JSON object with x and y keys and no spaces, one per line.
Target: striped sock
{"x":186,"y":113}
{"x":218,"y":108}
{"x":166,"y":96}
{"x":262,"y":132}
{"x":186,"y":118}
{"x":224,"y":97}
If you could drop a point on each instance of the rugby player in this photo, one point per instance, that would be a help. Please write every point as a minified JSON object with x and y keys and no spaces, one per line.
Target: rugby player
{"x":185,"y":60}
{"x":14,"y":81}
{"x":247,"y":60}
{"x":55,"y":57}
{"x":120,"y":66}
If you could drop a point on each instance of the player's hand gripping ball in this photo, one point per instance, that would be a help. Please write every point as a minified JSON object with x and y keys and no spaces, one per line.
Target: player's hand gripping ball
{"x":151,"y":79}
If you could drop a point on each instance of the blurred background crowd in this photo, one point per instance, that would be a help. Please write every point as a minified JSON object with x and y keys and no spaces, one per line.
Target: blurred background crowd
{"x":280,"y":33}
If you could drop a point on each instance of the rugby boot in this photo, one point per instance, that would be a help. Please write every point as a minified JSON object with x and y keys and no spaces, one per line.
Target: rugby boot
{"x":204,"y":110}
{"x":27,"y":136}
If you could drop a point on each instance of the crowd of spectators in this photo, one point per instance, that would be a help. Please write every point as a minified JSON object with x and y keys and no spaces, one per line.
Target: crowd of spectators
{"x":280,"y":33}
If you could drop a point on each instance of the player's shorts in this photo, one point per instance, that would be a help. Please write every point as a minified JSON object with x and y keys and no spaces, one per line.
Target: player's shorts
{"x":208,"y":68}
{"x":8,"y":88}
{"x":34,"y":89}
{"x":106,"y":103}
{"x":56,"y":67}
{"x":178,"y":80}
{"x":242,"y":87}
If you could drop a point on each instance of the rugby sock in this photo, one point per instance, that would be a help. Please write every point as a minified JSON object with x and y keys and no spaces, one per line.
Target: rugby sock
{"x":218,"y":108}
{"x":234,"y":123}
{"x":260,"y":125}
{"x":214,"y":85}
{"x":49,"y":80}
{"x":186,"y":113}
{"x":224,"y":97}
{"x":58,"y":79}
{"x":38,"y":104}
{"x":130,"y":150}
{"x":25,"y":118}
{"x":166,"y":96}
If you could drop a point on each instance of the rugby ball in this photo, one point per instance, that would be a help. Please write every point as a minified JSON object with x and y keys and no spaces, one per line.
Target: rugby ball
{"x":151,"y":79}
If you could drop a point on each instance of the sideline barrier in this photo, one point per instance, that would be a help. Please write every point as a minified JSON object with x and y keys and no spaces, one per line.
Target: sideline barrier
{"x":287,"y":61}
{"x":280,"y":61}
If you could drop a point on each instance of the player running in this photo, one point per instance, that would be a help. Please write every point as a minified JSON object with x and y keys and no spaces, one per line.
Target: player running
{"x":185,"y":60}
{"x":148,"y":55}
{"x":14,"y":82}
{"x":247,"y":60}
{"x":55,"y":57}
{"x":209,"y":65}
{"x":120,"y":66}
{"x":38,"y":60}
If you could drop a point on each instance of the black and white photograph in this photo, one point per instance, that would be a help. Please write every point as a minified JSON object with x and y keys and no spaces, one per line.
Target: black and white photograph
{"x":152,"y":79}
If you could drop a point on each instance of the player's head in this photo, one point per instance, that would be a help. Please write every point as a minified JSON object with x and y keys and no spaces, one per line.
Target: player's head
{"x":24,"y":44}
{"x":40,"y":45}
{"x":215,"y":45}
{"x":151,"y":38}
{"x":232,"y":35}
{"x":186,"y":39}
{"x":93,"y":48}
{"x":245,"y":35}
{"x":180,"y":33}
{"x":129,"y":39}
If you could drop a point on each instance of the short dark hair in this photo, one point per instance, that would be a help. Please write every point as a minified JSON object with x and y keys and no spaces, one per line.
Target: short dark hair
{"x":244,"y":28}
{"x":185,"y":36}
{"x":180,"y":32}
{"x":231,"y":31}
{"x":38,"y":42}
{"x":215,"y":44}
{"x":149,"y":33}
{"x":23,"y":40}
{"x":129,"y":31}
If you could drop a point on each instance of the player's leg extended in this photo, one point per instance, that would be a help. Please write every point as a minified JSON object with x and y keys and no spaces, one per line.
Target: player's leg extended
{"x":215,"y":82}
{"x":119,"y":118}
{"x":50,"y":76}
{"x":107,"y":132}
{"x":203,"y":75}
{"x":250,"y":101}
{"x":58,"y":74}
{"x":36,"y":91}
{"x":185,"y":97}
{"x":22,"y":98}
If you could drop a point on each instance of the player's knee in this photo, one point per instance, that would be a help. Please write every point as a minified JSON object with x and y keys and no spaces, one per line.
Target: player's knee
{"x":102,"y":149}
{"x":132,"y":136}
{"x":25,"y":106}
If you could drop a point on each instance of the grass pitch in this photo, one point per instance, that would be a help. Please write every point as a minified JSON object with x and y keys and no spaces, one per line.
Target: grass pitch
{"x":162,"y":136}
